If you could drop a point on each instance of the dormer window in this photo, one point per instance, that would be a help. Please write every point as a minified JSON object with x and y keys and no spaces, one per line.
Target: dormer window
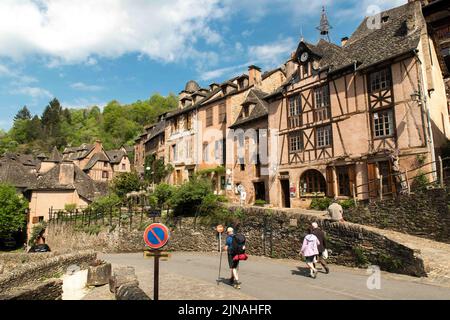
{"x":384,"y":19}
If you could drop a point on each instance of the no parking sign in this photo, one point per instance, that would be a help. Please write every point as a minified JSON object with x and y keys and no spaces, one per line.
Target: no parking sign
{"x":156,"y":236}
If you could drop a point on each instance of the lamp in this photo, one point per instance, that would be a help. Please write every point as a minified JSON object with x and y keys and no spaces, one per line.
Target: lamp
{"x":416,"y":96}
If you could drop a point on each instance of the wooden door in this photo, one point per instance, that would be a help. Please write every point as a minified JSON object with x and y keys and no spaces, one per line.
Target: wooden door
{"x":372,"y":179}
{"x":330,"y":182}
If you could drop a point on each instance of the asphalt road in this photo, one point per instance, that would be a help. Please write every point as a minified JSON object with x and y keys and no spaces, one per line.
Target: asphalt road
{"x":269,"y":279}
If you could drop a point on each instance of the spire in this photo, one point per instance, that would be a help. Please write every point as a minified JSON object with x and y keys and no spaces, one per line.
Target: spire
{"x":324,"y":27}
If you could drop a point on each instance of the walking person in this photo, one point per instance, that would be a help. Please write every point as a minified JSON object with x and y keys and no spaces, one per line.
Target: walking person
{"x":335,"y":211}
{"x":322,"y":247}
{"x":235,"y":247}
{"x":310,"y":251}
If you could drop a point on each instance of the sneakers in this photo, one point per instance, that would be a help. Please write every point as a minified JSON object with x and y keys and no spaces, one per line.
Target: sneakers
{"x":237,"y":285}
{"x":313,"y":274}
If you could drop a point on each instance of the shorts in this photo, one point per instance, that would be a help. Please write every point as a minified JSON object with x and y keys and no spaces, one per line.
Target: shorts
{"x":233,"y":264}
{"x":310,"y":259}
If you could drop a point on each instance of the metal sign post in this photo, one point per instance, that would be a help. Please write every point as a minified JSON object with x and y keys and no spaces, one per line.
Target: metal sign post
{"x":156,"y":236}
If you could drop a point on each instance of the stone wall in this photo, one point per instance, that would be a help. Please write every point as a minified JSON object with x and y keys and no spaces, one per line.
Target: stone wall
{"x":11,"y":261}
{"x":36,"y":272}
{"x":422,"y":214}
{"x":271,"y":233}
{"x":49,"y":290}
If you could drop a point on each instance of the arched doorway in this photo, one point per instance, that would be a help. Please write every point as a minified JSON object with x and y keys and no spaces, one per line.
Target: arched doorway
{"x":312,"y":182}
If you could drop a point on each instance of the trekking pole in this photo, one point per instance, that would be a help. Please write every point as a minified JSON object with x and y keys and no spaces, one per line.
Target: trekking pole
{"x":220,"y":264}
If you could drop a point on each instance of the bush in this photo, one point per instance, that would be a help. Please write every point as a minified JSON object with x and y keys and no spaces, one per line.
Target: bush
{"x":103,"y":205}
{"x":321,"y":203}
{"x":12,"y":210}
{"x":125,"y":183}
{"x":260,"y":203}
{"x":420,"y":182}
{"x":347,"y":204}
{"x":187,"y":198}
{"x":163,"y":193}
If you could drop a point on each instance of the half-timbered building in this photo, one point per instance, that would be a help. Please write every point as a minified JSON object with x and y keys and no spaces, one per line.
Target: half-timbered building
{"x":352,"y":120}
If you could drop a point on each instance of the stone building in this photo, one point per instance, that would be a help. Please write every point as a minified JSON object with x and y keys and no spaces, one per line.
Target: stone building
{"x":95,"y":161}
{"x":351,"y":120}
{"x":197,"y":133}
{"x":49,"y":183}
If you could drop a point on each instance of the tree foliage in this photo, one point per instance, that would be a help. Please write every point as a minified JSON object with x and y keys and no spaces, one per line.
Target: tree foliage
{"x":115,"y":126}
{"x":125,"y":183}
{"x":12,"y":210}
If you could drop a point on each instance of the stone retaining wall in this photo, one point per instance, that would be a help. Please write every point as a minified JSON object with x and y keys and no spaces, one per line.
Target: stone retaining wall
{"x":49,"y":290}
{"x":53,"y":267}
{"x":424,"y":214}
{"x":271,"y":233}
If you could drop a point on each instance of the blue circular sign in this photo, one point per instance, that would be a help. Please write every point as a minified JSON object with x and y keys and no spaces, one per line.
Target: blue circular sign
{"x":156,"y":236}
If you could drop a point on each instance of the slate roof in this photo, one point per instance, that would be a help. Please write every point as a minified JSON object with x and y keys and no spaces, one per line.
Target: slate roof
{"x":100,"y":156}
{"x":83,"y":184}
{"x":115,"y":156}
{"x":78,"y":153}
{"x":13,"y":172}
{"x":55,"y":156}
{"x":260,"y":110}
{"x":157,"y":130}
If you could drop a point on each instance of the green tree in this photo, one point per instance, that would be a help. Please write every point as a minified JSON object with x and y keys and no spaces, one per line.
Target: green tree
{"x":158,"y":169}
{"x":125,"y":183}
{"x":23,"y":114}
{"x":163,"y":193}
{"x":188,"y":198}
{"x":12,"y":210}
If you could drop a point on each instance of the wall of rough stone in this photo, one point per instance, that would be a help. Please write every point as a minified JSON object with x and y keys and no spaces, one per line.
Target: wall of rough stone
{"x":36,"y":272}
{"x":425,"y":214}
{"x":271,"y":233}
{"x":11,"y":261}
{"x":49,"y":290}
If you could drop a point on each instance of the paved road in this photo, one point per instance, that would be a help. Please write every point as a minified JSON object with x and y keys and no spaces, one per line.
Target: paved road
{"x":264,"y":278}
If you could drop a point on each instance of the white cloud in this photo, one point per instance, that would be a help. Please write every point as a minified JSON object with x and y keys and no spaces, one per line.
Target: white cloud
{"x":81,"y":103}
{"x":33,"y":92}
{"x":85,"y":87}
{"x":272,"y":54}
{"x":219,"y":73}
{"x":68,"y":31}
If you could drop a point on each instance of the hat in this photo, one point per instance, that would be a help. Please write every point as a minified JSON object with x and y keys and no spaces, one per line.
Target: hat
{"x":230,"y":230}
{"x":315,"y":225}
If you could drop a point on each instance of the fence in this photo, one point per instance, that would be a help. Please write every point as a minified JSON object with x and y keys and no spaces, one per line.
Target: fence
{"x":376,"y":188}
{"x":111,"y":216}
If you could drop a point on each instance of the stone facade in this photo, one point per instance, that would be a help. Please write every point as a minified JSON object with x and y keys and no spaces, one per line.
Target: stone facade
{"x":424,"y":214}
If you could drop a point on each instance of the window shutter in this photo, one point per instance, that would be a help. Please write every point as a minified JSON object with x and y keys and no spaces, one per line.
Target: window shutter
{"x":352,"y":177}
{"x":330,"y":182}
{"x":372,"y":180}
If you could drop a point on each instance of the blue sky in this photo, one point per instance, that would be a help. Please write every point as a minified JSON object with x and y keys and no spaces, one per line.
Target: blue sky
{"x":89,"y":52}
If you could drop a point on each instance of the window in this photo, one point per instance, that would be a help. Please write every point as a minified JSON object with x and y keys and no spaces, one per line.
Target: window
{"x":124,"y":167}
{"x":175,"y":152}
{"x":105,"y":175}
{"x":295,"y":143}
{"x":205,"y":152}
{"x":384,"y":169}
{"x":189,"y":146}
{"x":380,"y":80}
{"x":209,"y":117}
{"x":312,"y":181}
{"x":294,"y":112}
{"x":343,"y":181}
{"x":189,"y":122}
{"x":305,"y":70}
{"x":323,"y":136}
{"x":218,"y":152}
{"x":222,"y":113}
{"x":383,"y":123}
{"x":105,"y":164}
{"x":175,"y":125}
{"x":322,"y":103}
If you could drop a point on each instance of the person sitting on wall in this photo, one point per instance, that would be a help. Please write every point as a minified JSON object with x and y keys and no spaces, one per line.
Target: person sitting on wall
{"x":39,"y":244}
{"x":335,"y":211}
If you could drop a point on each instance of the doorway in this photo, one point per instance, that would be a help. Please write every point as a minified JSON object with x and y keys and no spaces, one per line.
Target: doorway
{"x":285,"y":193}
{"x":260,"y":191}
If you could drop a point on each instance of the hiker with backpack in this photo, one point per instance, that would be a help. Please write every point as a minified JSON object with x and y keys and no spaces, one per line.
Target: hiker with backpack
{"x":310,"y":251}
{"x":235,"y":246}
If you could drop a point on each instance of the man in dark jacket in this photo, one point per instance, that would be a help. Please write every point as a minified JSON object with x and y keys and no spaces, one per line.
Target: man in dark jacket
{"x":322,"y":246}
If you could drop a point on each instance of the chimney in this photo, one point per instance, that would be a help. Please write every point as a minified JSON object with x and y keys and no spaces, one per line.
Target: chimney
{"x":98,"y":146}
{"x":214,"y":86}
{"x":254,"y":74}
{"x":67,"y":173}
{"x":344,"y":41}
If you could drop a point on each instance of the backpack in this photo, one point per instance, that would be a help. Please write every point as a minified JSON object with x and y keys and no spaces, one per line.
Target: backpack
{"x":238,"y":244}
